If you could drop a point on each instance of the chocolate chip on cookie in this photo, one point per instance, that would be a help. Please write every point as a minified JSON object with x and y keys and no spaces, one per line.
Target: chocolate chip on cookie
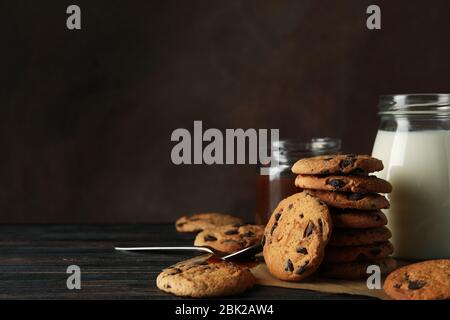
{"x":428,"y":280}
{"x":205,"y":279}
{"x":338,"y":164}
{"x":357,"y":184}
{"x":208,"y":238}
{"x":202,"y":221}
{"x":361,"y":201}
{"x":296,"y":236}
{"x":229,"y":238}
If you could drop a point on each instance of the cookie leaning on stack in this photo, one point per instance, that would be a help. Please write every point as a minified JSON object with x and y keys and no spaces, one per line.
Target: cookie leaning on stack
{"x":360,"y":237}
{"x":296,"y":236}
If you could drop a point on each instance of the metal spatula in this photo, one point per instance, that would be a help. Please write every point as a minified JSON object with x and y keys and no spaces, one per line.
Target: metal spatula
{"x":243,"y":254}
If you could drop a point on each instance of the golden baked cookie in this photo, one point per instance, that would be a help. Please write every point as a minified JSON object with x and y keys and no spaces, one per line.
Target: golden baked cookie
{"x":338,"y":164}
{"x":428,"y":280}
{"x":357,"y":269}
{"x":201,"y":221}
{"x":361,"y":201}
{"x":296,"y":236}
{"x":230,"y":238}
{"x":205,"y":279}
{"x":360,"y":219}
{"x":358,"y":184}
{"x":359,"y":237}
{"x":358,"y":253}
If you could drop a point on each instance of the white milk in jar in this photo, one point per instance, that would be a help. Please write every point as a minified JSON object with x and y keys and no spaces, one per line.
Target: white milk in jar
{"x":414,"y":144}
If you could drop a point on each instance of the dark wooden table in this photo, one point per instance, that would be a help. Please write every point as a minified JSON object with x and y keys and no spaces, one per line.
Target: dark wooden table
{"x":34,"y":260}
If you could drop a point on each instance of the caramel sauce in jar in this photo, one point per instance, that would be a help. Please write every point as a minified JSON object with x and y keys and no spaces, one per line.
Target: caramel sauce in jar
{"x":270,"y":191}
{"x":279,"y":183}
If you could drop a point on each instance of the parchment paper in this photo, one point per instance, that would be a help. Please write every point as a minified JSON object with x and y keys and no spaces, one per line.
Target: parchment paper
{"x":358,"y":287}
{"x":264,"y":278}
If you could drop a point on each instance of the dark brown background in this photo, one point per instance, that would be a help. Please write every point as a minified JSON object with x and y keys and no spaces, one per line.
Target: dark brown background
{"x":86,"y":116}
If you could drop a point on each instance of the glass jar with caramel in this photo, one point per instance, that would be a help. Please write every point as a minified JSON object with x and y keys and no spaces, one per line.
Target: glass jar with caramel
{"x":279,"y":183}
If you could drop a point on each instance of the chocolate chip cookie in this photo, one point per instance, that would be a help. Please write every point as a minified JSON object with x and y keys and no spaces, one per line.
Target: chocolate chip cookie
{"x":201,"y":221}
{"x":338,"y":164}
{"x":361,"y":201}
{"x":428,"y":280}
{"x":357,"y":184}
{"x":203,"y":279}
{"x":230,"y":238}
{"x":358,"y":253}
{"x":356,"y":270}
{"x":359,"y":237}
{"x":295,"y":237}
{"x":360,"y":219}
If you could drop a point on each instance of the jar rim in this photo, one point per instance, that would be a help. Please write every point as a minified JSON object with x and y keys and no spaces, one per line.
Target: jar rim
{"x":416,"y":103}
{"x":287,"y":151}
{"x":313,"y":144}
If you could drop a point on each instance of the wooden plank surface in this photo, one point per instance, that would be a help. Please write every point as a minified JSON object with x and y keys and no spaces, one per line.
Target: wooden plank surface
{"x":34,"y":260}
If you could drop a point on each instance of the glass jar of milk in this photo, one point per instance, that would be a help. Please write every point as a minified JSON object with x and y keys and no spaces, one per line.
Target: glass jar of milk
{"x":413,"y":141}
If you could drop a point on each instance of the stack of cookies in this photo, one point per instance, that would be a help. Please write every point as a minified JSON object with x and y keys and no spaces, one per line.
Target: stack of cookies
{"x":360,"y":237}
